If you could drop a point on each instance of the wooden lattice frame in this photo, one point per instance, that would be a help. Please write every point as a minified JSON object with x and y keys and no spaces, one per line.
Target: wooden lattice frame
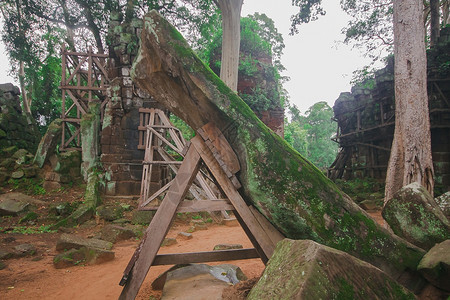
{"x":84,"y":80}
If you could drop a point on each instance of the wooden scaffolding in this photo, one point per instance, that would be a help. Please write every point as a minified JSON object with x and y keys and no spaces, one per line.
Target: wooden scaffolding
{"x":84,"y":80}
{"x":209,"y":150}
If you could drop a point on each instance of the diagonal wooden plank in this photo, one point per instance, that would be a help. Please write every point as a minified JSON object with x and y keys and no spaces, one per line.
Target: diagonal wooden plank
{"x":233,"y":195}
{"x":78,"y":103}
{"x":138,"y":268}
{"x":157,"y":193}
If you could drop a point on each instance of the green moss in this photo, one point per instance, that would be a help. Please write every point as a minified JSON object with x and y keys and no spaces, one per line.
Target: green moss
{"x":345,"y":291}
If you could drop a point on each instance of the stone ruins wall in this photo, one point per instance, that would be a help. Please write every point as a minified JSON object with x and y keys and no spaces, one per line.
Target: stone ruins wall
{"x":366,"y":119}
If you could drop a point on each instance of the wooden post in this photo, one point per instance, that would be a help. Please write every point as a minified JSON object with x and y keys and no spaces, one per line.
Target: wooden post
{"x":159,"y":225}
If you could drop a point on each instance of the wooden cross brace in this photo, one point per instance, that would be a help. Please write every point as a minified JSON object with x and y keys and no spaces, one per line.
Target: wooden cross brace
{"x":211,"y":147}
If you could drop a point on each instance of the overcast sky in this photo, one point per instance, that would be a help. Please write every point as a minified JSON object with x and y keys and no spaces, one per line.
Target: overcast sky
{"x":320,"y":67}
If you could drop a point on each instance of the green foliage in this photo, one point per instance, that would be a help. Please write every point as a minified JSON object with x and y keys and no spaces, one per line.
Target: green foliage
{"x":311,"y":134}
{"x":309,"y":10}
{"x":31,"y":229}
{"x":185,"y":129}
{"x":370,"y":26}
{"x":30,"y":185}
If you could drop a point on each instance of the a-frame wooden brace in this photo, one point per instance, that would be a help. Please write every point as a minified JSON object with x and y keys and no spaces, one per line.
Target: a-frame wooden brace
{"x":211,"y":148}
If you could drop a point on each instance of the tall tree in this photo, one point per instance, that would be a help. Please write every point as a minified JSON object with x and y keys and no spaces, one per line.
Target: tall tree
{"x":410,"y":159}
{"x":231,"y":18}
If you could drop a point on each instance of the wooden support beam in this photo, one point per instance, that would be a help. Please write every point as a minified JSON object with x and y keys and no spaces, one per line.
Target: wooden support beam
{"x":138,"y":267}
{"x":201,"y":257}
{"x":233,"y":195}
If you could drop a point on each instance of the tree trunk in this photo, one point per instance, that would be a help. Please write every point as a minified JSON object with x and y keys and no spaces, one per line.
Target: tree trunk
{"x":25,"y":103}
{"x":434,"y":22}
{"x":231,"y":38}
{"x":410,"y":159}
{"x":445,"y":13}
{"x":292,"y":193}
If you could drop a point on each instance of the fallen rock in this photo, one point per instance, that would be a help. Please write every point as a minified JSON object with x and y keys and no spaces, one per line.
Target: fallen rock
{"x":24,"y":250}
{"x":71,"y":241}
{"x":17,"y":174}
{"x":114,"y":233}
{"x":110,"y":212}
{"x":198,"y":281}
{"x":435,"y":266}
{"x":444,"y":203}
{"x":158,"y":283}
{"x":304,"y":269}
{"x":142,"y":217}
{"x":84,"y":255}
{"x":10,"y":207}
{"x":227,"y":247}
{"x":169,"y":242}
{"x":185,"y":235}
{"x":6,"y":254}
{"x":414,"y":215}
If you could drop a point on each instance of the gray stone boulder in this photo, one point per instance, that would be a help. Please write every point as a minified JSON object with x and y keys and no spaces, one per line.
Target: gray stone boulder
{"x":24,"y":250}
{"x":304,"y":269}
{"x":444,"y":203}
{"x":413,"y":214}
{"x":227,"y":247}
{"x":114,"y":233}
{"x":10,"y":207}
{"x":70,"y":241}
{"x":199,"y":281}
{"x":435,"y":265}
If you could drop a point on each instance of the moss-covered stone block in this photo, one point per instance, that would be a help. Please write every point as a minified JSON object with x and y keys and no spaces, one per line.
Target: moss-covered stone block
{"x":435,"y":265}
{"x":413,"y":214}
{"x":304,"y":269}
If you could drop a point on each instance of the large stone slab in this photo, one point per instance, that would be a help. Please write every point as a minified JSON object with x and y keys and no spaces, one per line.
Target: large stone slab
{"x":413,"y":214}
{"x":435,"y":265}
{"x":71,"y":241}
{"x":114,"y":233}
{"x":304,"y":269}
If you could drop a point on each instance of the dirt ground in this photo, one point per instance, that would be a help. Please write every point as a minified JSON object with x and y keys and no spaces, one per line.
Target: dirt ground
{"x":36,"y":278}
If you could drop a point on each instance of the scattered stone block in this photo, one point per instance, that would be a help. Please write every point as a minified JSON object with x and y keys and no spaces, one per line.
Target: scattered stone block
{"x":70,"y":241}
{"x":185,"y":235}
{"x":110,"y":212}
{"x":142,"y":217}
{"x":435,"y":265}
{"x":231,"y":222}
{"x":414,"y":215}
{"x":114,"y":233}
{"x":227,"y":247}
{"x":84,"y":255}
{"x":200,"y":227}
{"x":17,"y":174}
{"x":169,"y":242}
{"x":10,"y":207}
{"x":6,"y":254}
{"x":158,"y":283}
{"x":304,"y":269}
{"x":24,"y":250}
